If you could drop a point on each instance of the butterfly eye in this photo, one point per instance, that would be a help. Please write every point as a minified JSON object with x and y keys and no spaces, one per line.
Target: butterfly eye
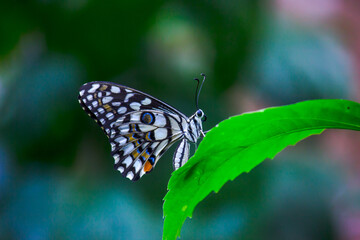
{"x":199,"y":113}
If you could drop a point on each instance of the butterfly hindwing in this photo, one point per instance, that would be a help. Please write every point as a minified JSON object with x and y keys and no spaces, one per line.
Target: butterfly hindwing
{"x":140,"y":128}
{"x":135,"y":142}
{"x":142,"y":159}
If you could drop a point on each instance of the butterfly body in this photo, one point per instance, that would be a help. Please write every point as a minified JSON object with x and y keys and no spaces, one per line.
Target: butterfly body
{"x":140,"y":127}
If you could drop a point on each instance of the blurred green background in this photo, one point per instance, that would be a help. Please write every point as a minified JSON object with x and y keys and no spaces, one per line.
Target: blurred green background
{"x":56,"y":173}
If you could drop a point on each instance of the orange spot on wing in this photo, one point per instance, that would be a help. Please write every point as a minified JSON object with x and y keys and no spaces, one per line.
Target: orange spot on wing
{"x":147,"y":166}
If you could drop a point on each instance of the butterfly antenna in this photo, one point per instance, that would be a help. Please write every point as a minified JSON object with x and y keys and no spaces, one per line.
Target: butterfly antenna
{"x":198,"y":90}
{"x":196,"y":93}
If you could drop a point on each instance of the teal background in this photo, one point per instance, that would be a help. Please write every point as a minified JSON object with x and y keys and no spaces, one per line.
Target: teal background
{"x":56,"y":173}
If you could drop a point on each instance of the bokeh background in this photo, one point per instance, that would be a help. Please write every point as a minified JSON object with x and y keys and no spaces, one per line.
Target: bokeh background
{"x":56,"y":173}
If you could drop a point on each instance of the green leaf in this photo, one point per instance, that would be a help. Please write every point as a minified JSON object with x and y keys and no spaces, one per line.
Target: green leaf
{"x":240,"y":143}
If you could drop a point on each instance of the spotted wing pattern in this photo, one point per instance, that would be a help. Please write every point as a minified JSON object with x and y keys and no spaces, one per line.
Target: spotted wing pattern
{"x":140,"y":128}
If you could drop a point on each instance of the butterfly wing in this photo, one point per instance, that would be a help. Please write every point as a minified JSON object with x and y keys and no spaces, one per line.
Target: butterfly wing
{"x":140,"y":128}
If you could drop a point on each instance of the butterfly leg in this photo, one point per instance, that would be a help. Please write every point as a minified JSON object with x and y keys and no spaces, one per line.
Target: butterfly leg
{"x":205,"y":132}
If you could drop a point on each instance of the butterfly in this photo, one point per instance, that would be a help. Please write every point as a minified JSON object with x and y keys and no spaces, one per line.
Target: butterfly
{"x":140,"y":128}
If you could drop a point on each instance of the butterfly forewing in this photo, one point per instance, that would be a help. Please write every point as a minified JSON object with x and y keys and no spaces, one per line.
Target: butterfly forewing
{"x":140,"y":128}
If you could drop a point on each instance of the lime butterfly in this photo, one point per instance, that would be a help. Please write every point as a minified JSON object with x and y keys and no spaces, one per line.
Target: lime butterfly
{"x":140,"y":128}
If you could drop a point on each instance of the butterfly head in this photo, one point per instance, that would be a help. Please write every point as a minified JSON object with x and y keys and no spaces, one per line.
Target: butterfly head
{"x":195,"y":129}
{"x":201,"y":115}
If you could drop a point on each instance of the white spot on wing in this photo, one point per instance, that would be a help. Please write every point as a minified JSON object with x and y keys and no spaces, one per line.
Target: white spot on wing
{"x":127,"y":161}
{"x":112,"y":133}
{"x":153,"y":146}
{"x":118,"y":122}
{"x":146,"y":101}
{"x":113,"y":146}
{"x":121,"y":169}
{"x":128,"y":90}
{"x":128,"y":148}
{"x":101,"y":110}
{"x":160,"y":120}
{"x":160,"y":147}
{"x":102,"y":121}
{"x":116,"y":104}
{"x":89,"y":97}
{"x":135,"y":106}
{"x":110,"y":115}
{"x":95,"y":103}
{"x":135,"y":117}
{"x":142,"y":172}
{"x":128,"y":96}
{"x":115,"y":89}
{"x":81,"y":93}
{"x":107,"y":99}
{"x":122,"y":110}
{"x":146,"y":128}
{"x":176,"y":117}
{"x":124,"y":129}
{"x":94,"y":87}
{"x":174,"y":124}
{"x":137,"y":165}
{"x":130,"y":175}
{"x":117,"y":158}
{"x":120,"y":140}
